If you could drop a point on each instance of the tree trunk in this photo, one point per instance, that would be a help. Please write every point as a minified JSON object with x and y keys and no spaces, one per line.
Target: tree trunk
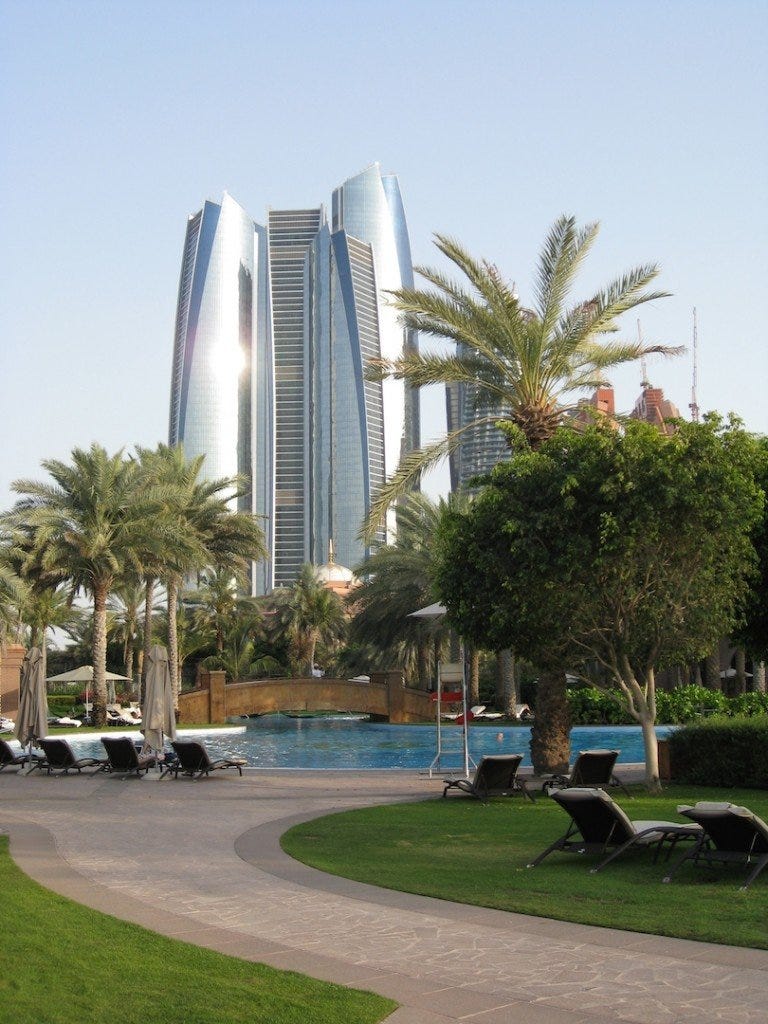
{"x":149,"y":592}
{"x":712,"y":672}
{"x":424,"y":666}
{"x":474,"y":674}
{"x":173,"y":640}
{"x":758,"y":676}
{"x":550,"y":734}
{"x":99,"y":713}
{"x":740,"y":679}
{"x":507,"y":695}
{"x":651,"y":746}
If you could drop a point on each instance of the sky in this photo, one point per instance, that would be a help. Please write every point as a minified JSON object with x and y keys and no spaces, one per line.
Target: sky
{"x":119,"y":120}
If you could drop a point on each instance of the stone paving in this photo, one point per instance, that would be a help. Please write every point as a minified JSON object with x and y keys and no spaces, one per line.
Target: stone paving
{"x":201,"y":861}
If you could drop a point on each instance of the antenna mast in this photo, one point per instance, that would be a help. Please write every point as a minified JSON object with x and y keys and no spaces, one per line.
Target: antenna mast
{"x":644,"y":383}
{"x":693,"y":404}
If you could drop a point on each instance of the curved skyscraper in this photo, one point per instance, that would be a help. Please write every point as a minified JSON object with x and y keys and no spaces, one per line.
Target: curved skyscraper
{"x":221,"y":391}
{"x":274,"y":329}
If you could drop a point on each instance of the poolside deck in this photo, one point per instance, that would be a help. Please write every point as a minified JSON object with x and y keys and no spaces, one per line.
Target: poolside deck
{"x":202,"y":862}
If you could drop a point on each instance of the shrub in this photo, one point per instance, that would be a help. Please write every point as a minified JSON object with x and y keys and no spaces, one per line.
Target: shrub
{"x":590,"y":706}
{"x":721,"y":752}
{"x":689,"y":703}
{"x":61,"y":704}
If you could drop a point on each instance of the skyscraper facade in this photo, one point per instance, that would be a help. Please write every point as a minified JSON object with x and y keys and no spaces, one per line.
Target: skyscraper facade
{"x":274,"y":328}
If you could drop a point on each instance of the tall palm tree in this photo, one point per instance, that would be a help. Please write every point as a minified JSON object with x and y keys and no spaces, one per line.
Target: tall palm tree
{"x":395,"y":581}
{"x":126,"y":602}
{"x":311,"y":615}
{"x":85,"y":526}
{"x":207,"y":531}
{"x":12,"y":593}
{"x":526,"y":365}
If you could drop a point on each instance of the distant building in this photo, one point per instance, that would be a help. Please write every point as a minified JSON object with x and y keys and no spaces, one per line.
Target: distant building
{"x":274,"y":328}
{"x":652,"y":407}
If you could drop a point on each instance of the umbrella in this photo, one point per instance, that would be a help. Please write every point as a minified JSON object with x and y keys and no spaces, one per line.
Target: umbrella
{"x":84,"y":674}
{"x":157,"y":712}
{"x":432,"y":611}
{"x":32,"y":718}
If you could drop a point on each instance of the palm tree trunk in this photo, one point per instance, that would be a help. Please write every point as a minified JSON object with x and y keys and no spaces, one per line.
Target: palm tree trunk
{"x":149,"y":593}
{"x":740,"y":679}
{"x":712,"y":672}
{"x":100,"y":592}
{"x":173,"y":639}
{"x":424,"y":665}
{"x":474,"y":674}
{"x":506,"y":683}
{"x":550,"y":746}
{"x":758,"y":676}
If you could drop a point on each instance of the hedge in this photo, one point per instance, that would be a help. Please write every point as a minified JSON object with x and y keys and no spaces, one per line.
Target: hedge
{"x":590,"y":706}
{"x":728,"y":752}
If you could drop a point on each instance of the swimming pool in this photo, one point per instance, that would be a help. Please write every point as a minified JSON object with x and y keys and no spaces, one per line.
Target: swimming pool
{"x":277,"y":741}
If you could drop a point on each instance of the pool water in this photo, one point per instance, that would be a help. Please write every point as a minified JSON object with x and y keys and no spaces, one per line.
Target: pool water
{"x":277,"y":741}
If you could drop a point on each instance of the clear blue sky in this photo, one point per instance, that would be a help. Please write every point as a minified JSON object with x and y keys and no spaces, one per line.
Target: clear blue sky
{"x":122,"y":118}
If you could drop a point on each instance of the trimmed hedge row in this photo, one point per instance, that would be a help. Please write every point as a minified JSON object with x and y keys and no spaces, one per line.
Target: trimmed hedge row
{"x":590,"y":706}
{"x":728,"y":752}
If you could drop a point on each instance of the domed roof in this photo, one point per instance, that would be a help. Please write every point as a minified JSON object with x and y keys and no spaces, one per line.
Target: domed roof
{"x":333,"y":575}
{"x":330,"y":572}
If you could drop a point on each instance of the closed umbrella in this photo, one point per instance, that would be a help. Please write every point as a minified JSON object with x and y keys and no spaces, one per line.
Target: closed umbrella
{"x":157,"y":712}
{"x":32,"y":718}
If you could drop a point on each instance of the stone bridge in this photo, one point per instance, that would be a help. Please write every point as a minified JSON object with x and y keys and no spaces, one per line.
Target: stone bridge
{"x":385,"y":697}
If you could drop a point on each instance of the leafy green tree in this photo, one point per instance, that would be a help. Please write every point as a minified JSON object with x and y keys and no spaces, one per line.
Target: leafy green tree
{"x":754,"y":632}
{"x":310,"y":615}
{"x":525,"y":365}
{"x":622,"y":550}
{"x":395,"y":581}
{"x":86,"y":526}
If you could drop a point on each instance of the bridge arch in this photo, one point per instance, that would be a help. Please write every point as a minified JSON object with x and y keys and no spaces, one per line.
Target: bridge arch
{"x":385,"y":697}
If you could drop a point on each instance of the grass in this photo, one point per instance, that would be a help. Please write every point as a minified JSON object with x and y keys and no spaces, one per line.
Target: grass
{"x":67,"y":964}
{"x":458,"y":849}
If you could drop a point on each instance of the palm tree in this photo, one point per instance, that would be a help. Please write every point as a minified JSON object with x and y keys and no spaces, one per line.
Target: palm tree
{"x":12,"y":593}
{"x":310,"y":615}
{"x":395,"y":581}
{"x":126,"y":602}
{"x":525,"y":365}
{"x":207,"y":531}
{"x":85,"y":526}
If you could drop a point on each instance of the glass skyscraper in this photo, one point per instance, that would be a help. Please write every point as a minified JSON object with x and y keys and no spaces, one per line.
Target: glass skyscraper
{"x":274,"y":329}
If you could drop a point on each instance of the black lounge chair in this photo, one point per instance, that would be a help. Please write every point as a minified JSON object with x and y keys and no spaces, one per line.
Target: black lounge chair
{"x":59,"y":757}
{"x":194,"y":760}
{"x":9,"y":757}
{"x":599,"y":825}
{"x":730,"y":835}
{"x":591,"y":768}
{"x":123,"y":757}
{"x":496,"y":775}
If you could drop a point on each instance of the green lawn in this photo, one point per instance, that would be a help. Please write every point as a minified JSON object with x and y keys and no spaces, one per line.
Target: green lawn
{"x":458,"y":849}
{"x":63,"y":963}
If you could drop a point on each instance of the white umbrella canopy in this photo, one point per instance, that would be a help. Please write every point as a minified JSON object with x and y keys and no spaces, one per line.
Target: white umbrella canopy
{"x":157,"y":711}
{"x":32,"y":718}
{"x":432,"y":611}
{"x":83,"y":674}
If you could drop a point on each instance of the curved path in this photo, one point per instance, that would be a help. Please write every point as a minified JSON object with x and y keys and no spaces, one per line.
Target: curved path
{"x":201,"y":861}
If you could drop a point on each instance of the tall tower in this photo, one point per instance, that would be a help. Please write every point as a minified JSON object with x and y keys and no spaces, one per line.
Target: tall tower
{"x":291,"y":233}
{"x":274,"y":329}
{"x":369,"y":207}
{"x":221,"y":379}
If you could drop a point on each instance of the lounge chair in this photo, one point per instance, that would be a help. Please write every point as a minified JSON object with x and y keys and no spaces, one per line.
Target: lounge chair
{"x":496,"y":775}
{"x":599,"y":825}
{"x":124,"y":758}
{"x":591,"y":768}
{"x":59,"y":757}
{"x":730,"y":835}
{"x":194,"y":760}
{"x":9,"y":757}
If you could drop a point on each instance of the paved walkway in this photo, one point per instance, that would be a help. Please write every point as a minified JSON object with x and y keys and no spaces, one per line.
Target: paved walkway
{"x":201,"y":861}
